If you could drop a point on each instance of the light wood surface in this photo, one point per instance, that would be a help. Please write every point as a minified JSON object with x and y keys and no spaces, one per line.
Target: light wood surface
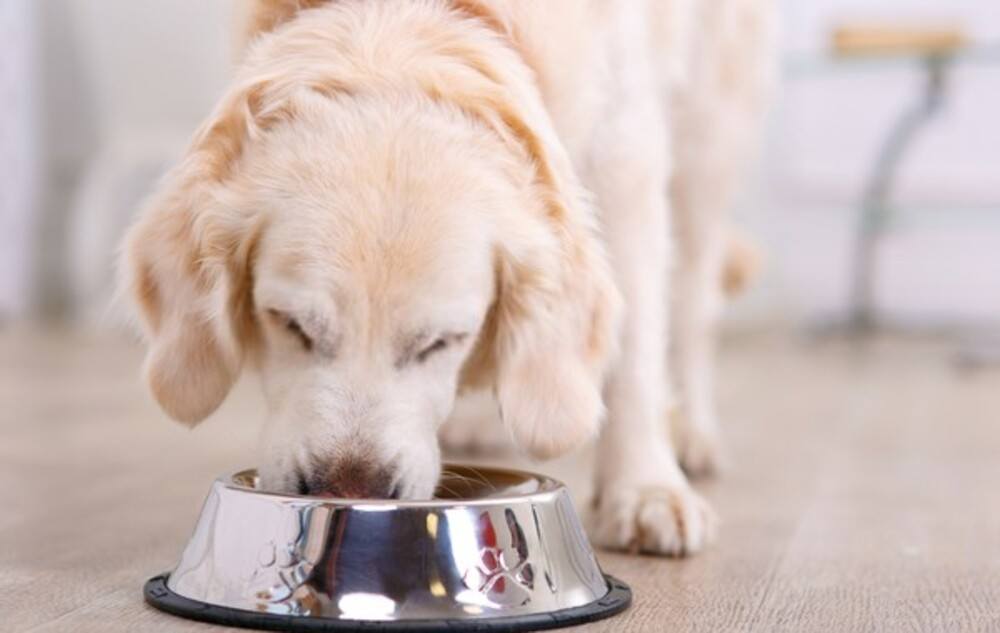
{"x":899,"y":39}
{"x":864,"y":492}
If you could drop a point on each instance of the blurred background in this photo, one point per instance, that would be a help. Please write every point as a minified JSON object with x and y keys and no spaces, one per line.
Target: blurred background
{"x":99,"y":97}
{"x":858,"y":484}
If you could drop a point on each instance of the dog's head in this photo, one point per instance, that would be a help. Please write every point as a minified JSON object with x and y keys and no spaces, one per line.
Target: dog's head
{"x":370,"y":255}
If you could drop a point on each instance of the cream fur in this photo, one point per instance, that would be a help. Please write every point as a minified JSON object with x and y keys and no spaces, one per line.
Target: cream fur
{"x":399,"y":199}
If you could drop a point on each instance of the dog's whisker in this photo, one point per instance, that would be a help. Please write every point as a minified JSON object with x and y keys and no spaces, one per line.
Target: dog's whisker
{"x":478,"y":479}
{"x":445,"y":487}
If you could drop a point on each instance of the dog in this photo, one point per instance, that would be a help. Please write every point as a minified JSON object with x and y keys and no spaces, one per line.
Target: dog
{"x":401,"y":200}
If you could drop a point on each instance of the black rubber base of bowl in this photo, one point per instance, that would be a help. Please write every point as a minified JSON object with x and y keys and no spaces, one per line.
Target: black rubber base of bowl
{"x":618,"y":598}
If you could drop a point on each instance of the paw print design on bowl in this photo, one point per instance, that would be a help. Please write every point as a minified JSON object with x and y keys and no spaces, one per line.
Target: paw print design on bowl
{"x":284,"y":559}
{"x":502,"y":574}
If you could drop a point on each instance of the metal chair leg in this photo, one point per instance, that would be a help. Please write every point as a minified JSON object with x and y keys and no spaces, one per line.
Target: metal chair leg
{"x":875,"y":209}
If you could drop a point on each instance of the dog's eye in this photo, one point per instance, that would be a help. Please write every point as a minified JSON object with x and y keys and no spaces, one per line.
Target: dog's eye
{"x":296,"y":329}
{"x":438,"y":345}
{"x":441,"y":343}
{"x":293,"y":327}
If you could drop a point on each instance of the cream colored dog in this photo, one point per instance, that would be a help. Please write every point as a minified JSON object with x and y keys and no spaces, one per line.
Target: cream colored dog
{"x":399,"y":199}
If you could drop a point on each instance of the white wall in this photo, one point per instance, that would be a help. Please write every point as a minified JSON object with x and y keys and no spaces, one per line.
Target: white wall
{"x":19,"y":153}
{"x":124,"y":83}
{"x":151,"y":65}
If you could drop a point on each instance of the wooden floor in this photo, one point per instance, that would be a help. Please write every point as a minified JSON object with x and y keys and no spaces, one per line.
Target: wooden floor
{"x":864,"y":492}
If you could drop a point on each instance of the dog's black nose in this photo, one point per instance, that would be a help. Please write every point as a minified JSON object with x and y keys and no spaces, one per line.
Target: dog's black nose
{"x":351,"y":478}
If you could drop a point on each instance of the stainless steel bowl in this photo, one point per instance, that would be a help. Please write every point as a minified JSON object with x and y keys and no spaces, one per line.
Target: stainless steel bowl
{"x":496,"y":550}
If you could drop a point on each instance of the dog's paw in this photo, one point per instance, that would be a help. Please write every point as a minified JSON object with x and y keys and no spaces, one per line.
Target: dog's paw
{"x":666,"y":519}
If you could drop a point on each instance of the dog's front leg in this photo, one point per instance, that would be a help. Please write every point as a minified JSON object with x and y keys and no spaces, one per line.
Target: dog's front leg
{"x":643,"y":500}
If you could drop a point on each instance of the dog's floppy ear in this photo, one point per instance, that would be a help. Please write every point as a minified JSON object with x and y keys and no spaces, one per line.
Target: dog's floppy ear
{"x":185,"y":265}
{"x":555,"y":333}
{"x":553,"y":329}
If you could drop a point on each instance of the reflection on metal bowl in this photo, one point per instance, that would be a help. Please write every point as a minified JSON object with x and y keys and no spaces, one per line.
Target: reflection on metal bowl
{"x":496,"y":550}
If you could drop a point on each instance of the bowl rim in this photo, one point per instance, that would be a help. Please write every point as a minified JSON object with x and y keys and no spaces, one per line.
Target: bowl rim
{"x":159,"y":595}
{"x":549,"y":489}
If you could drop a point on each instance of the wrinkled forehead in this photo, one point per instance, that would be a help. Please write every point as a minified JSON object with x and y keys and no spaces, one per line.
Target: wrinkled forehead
{"x":393,"y":265}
